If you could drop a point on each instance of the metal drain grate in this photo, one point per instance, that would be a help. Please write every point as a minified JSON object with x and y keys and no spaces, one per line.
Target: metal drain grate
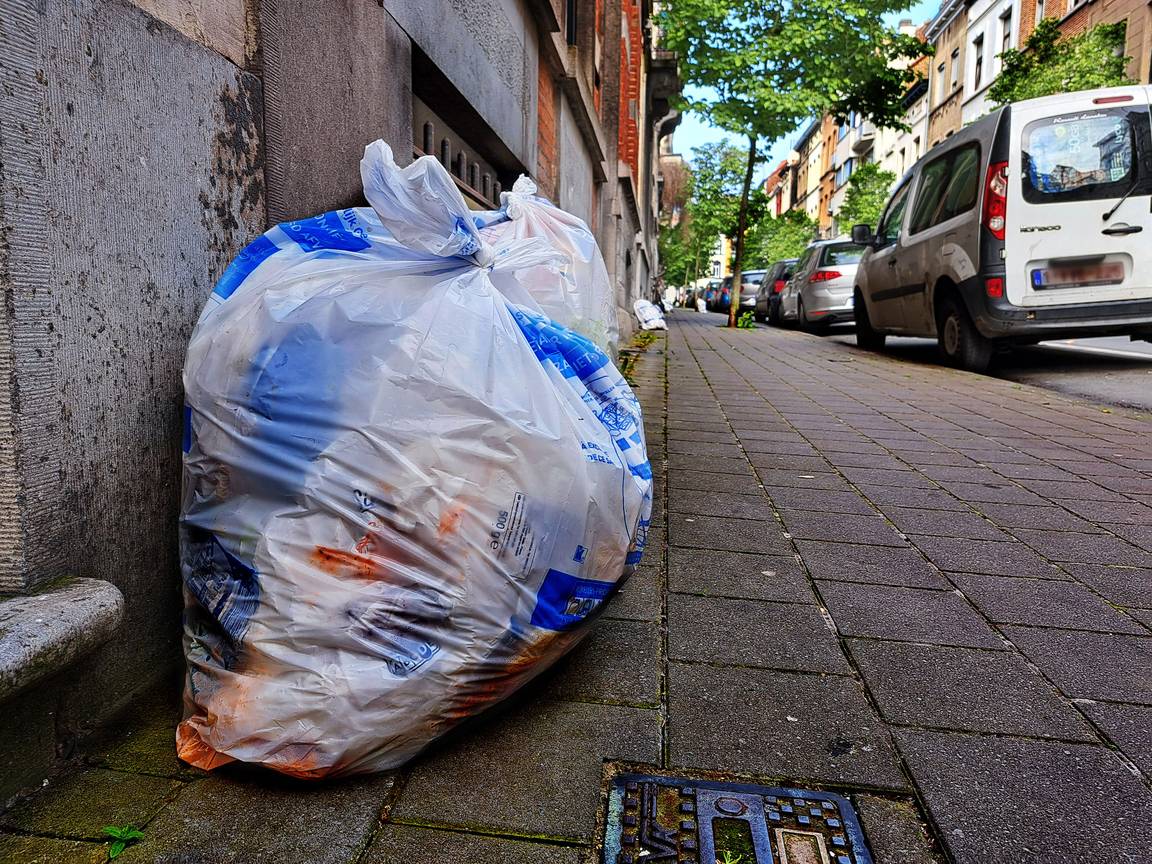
{"x":673,"y":819}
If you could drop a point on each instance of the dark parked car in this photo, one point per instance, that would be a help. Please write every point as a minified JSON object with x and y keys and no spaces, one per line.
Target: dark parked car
{"x":768,"y":295}
{"x":722,"y":298}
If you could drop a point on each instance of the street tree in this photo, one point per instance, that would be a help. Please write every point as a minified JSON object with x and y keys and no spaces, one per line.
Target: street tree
{"x":758,"y":68}
{"x":867,"y":192}
{"x":1050,"y":64}
{"x":717,"y":181}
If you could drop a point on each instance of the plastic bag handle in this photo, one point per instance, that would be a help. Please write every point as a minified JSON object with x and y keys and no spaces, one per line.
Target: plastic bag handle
{"x":421,"y":206}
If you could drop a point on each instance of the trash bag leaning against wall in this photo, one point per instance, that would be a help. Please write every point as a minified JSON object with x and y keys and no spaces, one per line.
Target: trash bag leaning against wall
{"x":578,"y":295}
{"x":405,"y":494}
{"x":649,"y":315}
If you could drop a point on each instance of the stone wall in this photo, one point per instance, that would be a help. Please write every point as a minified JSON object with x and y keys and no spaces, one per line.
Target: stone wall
{"x":141,"y":147}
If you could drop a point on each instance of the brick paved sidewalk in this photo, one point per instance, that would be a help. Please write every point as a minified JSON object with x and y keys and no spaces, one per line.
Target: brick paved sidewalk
{"x":937,"y":600}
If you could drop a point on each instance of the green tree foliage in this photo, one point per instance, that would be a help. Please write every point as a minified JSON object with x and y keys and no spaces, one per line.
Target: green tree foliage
{"x":760,"y":67}
{"x":717,"y":177}
{"x":1050,"y":65}
{"x":777,"y":238}
{"x":867,"y":192}
{"x":709,"y":213}
{"x":677,"y":253}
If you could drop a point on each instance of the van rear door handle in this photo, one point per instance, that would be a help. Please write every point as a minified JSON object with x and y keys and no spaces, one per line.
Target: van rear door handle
{"x":1121,"y":230}
{"x":892,"y":263}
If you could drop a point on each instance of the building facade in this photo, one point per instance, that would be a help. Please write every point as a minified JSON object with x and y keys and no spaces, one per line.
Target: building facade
{"x":142,"y":146}
{"x":947,"y":33}
{"x":1076,"y":16}
{"x":992,"y":29}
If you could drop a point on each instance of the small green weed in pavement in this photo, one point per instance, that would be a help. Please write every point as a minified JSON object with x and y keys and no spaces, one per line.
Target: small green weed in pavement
{"x":746,"y":321}
{"x":123,"y":837}
{"x":644,"y":338}
{"x":729,"y":858}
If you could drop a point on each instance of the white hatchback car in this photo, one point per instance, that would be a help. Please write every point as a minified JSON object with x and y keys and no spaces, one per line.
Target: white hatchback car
{"x":819,"y":293}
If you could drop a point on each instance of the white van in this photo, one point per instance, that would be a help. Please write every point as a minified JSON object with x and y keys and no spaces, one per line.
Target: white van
{"x":1034,"y":222}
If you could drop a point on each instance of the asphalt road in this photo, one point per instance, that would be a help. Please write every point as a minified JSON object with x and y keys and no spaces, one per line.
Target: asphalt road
{"x":1111,"y":370}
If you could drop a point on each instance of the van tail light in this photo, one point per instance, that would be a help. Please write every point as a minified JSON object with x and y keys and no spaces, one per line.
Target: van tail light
{"x":778,"y":286}
{"x":994,"y":287}
{"x":996,"y":199}
{"x":824,"y":276}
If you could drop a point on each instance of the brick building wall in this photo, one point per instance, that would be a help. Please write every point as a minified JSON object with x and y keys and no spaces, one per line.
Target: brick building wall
{"x":631,"y":49}
{"x":547,"y":152}
{"x":1076,"y":18}
{"x":946,"y":88}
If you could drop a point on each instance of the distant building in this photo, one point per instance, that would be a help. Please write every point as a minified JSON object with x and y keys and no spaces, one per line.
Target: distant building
{"x":780,"y":185}
{"x":947,"y":32}
{"x":1076,"y":16}
{"x":898,"y":149}
{"x":809,"y":159}
{"x":992,"y":27}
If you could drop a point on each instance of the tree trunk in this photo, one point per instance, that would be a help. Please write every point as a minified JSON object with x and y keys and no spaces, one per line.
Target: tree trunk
{"x":741,"y":228}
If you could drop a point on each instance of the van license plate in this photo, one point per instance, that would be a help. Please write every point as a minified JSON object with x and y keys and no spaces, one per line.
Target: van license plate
{"x":1078,"y":276}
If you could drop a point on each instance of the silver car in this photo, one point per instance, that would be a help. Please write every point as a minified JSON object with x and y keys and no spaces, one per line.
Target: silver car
{"x":750,"y":284}
{"x":819,"y":293}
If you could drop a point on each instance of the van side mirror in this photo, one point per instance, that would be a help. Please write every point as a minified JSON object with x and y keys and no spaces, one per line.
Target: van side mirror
{"x":862,"y":235}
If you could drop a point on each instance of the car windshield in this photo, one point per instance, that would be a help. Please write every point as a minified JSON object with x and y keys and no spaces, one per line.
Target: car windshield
{"x":1081,"y":156}
{"x":753,"y":278}
{"x":841,"y":253}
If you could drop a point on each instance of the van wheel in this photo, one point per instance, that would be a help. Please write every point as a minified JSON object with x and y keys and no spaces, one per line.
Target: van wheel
{"x":960,"y":343}
{"x":866,"y":337}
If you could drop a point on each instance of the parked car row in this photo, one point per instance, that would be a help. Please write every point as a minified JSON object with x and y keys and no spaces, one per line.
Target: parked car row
{"x":719,"y":299}
{"x":1032,"y":223}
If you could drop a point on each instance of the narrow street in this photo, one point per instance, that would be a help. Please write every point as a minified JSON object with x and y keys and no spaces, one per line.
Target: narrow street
{"x":928,"y":590}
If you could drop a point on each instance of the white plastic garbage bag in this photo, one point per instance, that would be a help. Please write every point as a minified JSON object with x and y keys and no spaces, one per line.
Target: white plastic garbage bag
{"x":404,"y":494}
{"x":649,"y":315}
{"x":578,"y":294}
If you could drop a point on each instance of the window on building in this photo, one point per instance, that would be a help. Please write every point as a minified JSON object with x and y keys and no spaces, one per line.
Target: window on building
{"x":570,"y":21}
{"x":955,"y":77}
{"x":978,"y":65}
{"x":1006,"y":30}
{"x":941,"y":84}
{"x":1039,"y":11}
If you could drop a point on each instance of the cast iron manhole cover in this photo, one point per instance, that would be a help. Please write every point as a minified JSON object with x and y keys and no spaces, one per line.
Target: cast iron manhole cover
{"x":671,"y":819}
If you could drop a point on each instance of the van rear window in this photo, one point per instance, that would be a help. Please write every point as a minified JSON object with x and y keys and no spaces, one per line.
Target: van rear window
{"x":1082,"y":156}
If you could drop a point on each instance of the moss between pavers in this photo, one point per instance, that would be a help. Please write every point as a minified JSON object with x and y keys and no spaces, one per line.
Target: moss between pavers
{"x":149,"y":748}
{"x":142,"y":740}
{"x":47,"y":850}
{"x":79,"y":805}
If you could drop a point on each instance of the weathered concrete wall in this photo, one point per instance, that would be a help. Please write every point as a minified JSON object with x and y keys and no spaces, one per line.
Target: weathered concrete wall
{"x":337,"y":76}
{"x":488,"y":49}
{"x":575,"y":187}
{"x":143,"y":150}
